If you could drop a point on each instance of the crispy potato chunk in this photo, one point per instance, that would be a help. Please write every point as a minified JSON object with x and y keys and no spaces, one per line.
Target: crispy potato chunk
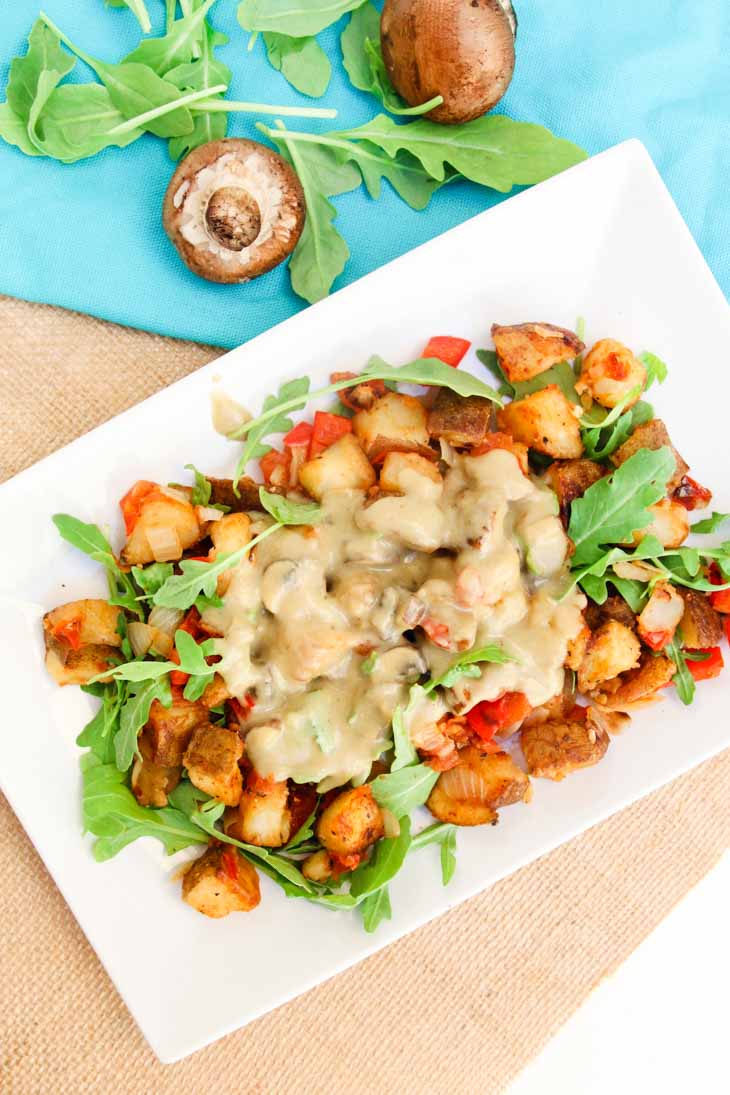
{"x":318,"y":866}
{"x":570,"y":479}
{"x":459,"y":420}
{"x":212,"y":759}
{"x":231,"y":533}
{"x":669,"y":523}
{"x":165,"y":528}
{"x":85,"y":622}
{"x":610,"y":371}
{"x":400,"y":467}
{"x":223,"y":494}
{"x":479,"y":785}
{"x":262,"y":817}
{"x":68,"y":666}
{"x":221,"y":882}
{"x":395,"y":417}
{"x":544,"y":421}
{"x":152,"y":783}
{"x":343,"y":466}
{"x":525,"y":350}
{"x":638,"y":685}
{"x":555,"y":748}
{"x":700,"y":625}
{"x":611,"y":650}
{"x":652,"y":435}
{"x":216,"y":693}
{"x":661,"y":614}
{"x":351,"y":823}
{"x":171,"y":728}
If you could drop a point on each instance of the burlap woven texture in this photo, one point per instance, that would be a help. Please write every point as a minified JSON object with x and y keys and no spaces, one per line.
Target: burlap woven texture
{"x":457,"y":1008}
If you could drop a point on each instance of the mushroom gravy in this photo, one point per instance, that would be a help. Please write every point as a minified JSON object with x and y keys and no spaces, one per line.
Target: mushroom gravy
{"x":329,"y":626}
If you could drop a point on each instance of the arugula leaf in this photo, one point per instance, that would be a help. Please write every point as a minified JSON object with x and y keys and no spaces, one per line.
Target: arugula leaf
{"x":493,"y":150}
{"x":182,"y":590}
{"x":298,"y":18}
{"x":384,"y":864}
{"x":401,"y":791}
{"x":291,"y":395}
{"x":301,"y":61}
{"x":152,"y":577}
{"x":202,"y":489}
{"x":14,"y":130}
{"x":561,"y":374}
{"x":134,"y":714}
{"x":303,"y":833}
{"x":98,"y":734}
{"x":405,"y":750}
{"x":91,"y":540}
{"x":138,"y":9}
{"x":601,"y":442}
{"x":656,"y":369}
{"x":44,"y":54}
{"x":112,"y":814}
{"x":711,"y":524}
{"x":490,"y":360}
{"x":444,"y":835}
{"x":367,"y":665}
{"x":612,"y":509}
{"x":683,"y":679}
{"x":176,"y":47}
{"x":466,"y":666}
{"x":375,"y":909}
{"x":202,"y":73}
{"x":288,"y":512}
{"x":448,"y":857}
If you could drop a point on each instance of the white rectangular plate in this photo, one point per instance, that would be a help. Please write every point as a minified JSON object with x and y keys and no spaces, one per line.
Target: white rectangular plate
{"x":603,"y":240}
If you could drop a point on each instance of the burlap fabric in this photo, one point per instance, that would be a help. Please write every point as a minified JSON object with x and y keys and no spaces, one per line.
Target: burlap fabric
{"x":458,"y":1007}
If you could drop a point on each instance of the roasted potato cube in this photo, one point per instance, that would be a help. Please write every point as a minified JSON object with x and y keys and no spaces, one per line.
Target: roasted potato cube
{"x":68,"y":666}
{"x":318,"y":866}
{"x":700,"y":625}
{"x":216,"y":693}
{"x":395,"y":417}
{"x":165,"y":528}
{"x":171,"y":728}
{"x":638,"y":685}
{"x":612,"y":649}
{"x":231,"y":533}
{"x":669,"y":523}
{"x":223,"y":494}
{"x":652,"y":435}
{"x":660,"y":615}
{"x":610,"y":371}
{"x":545,"y":421}
{"x":212,"y":759}
{"x":570,"y":479}
{"x":221,"y":882}
{"x":80,"y":623}
{"x":400,"y":470}
{"x":351,"y":823}
{"x":557,"y":747}
{"x":459,"y":420}
{"x":152,"y":783}
{"x":343,"y":466}
{"x":480,"y":784}
{"x":525,"y":350}
{"x":262,"y":817}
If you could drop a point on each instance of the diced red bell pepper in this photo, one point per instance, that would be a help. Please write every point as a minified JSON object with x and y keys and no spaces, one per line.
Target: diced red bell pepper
{"x":301,"y":434}
{"x":437,"y":632}
{"x":134,"y":499}
{"x":720,"y":601}
{"x":347,"y":396}
{"x":446,"y":348}
{"x":491,"y":716}
{"x":498,"y":440}
{"x":577,"y":712}
{"x":242,"y":709}
{"x":326,"y":429}
{"x":69,"y":632}
{"x":342,"y":863}
{"x":656,"y":640}
{"x":692,"y":494}
{"x":275,"y":467}
{"x":710,"y":667}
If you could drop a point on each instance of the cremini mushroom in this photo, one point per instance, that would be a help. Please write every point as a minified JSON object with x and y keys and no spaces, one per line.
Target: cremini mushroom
{"x":462,"y":50}
{"x":233,"y":209}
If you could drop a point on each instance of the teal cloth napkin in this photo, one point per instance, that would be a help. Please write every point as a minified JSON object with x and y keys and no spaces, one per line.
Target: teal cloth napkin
{"x":88,"y":236}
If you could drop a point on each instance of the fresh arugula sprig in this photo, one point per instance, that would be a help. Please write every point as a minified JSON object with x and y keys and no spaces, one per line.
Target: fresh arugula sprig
{"x":656,"y":369}
{"x":444,"y":835}
{"x":92,"y":541}
{"x":603,"y":439}
{"x":467,"y":665}
{"x":301,"y":20}
{"x":138,"y":9}
{"x":712,"y":523}
{"x":301,"y":61}
{"x":683,"y":680}
{"x":561,"y":374}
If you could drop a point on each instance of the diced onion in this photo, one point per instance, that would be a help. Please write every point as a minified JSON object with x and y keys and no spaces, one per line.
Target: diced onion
{"x":164,"y":543}
{"x":464,"y":784}
{"x":207,"y":513}
{"x":161,"y":642}
{"x":140,"y":636}
{"x":640,"y":572}
{"x":165,"y":619}
{"x":391,"y":825}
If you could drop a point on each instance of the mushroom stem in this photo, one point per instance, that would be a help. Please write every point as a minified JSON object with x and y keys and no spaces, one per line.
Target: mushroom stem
{"x":166,"y":108}
{"x":225,"y":105}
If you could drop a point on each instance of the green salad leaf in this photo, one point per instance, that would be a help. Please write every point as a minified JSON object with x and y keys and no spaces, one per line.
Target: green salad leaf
{"x":656,"y":369}
{"x":303,"y":833}
{"x":603,"y":440}
{"x":711,"y":524}
{"x":466,"y":665}
{"x":384,"y":864}
{"x":273,"y":419}
{"x":138,"y":9}
{"x":298,"y":18}
{"x":133,"y":715}
{"x":301,"y":61}
{"x":152,"y":577}
{"x":176,"y":47}
{"x":99,"y":733}
{"x":44,"y":54}
{"x":683,"y":679}
{"x":203,"y":73}
{"x":403,"y":790}
{"x":405,"y":750}
{"x":375,"y":909}
{"x":91,"y":540}
{"x":288,"y":512}
{"x":196,"y":577}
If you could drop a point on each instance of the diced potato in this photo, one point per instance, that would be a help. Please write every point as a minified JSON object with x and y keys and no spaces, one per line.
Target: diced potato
{"x":612,"y":722}
{"x":231,"y":533}
{"x":544,"y":421}
{"x":570,"y":479}
{"x":669,"y":523}
{"x":152,"y":783}
{"x":612,"y":649}
{"x":637,"y":686}
{"x":216,"y":693}
{"x":212,"y":759}
{"x":525,"y":350}
{"x":262,"y":817}
{"x":351,"y":823}
{"x":700,"y":625}
{"x":223,"y":494}
{"x":459,"y":420}
{"x":165,"y":528}
{"x":343,"y":466}
{"x":473,"y":791}
{"x":68,"y":666}
{"x":394,"y":417}
{"x":577,"y":648}
{"x":652,"y":435}
{"x":318,"y":866}
{"x":661,"y":614}
{"x":221,"y":882}
{"x":555,"y":748}
{"x":610,"y":371}
{"x":171,"y":728}
{"x":399,"y":469}
{"x":90,"y":621}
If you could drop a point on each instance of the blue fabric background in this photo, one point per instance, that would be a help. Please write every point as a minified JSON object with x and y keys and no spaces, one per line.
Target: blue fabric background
{"x":88,"y":236}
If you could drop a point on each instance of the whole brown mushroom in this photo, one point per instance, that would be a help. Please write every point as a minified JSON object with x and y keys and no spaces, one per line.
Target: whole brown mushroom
{"x":233,"y":209}
{"x":462,"y":50}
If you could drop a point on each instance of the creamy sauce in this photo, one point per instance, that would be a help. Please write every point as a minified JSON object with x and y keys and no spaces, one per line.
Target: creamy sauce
{"x":478,"y":556}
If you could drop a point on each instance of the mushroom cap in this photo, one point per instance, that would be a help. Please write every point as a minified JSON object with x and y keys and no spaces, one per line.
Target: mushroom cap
{"x":233,"y":209}
{"x":462,"y":50}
